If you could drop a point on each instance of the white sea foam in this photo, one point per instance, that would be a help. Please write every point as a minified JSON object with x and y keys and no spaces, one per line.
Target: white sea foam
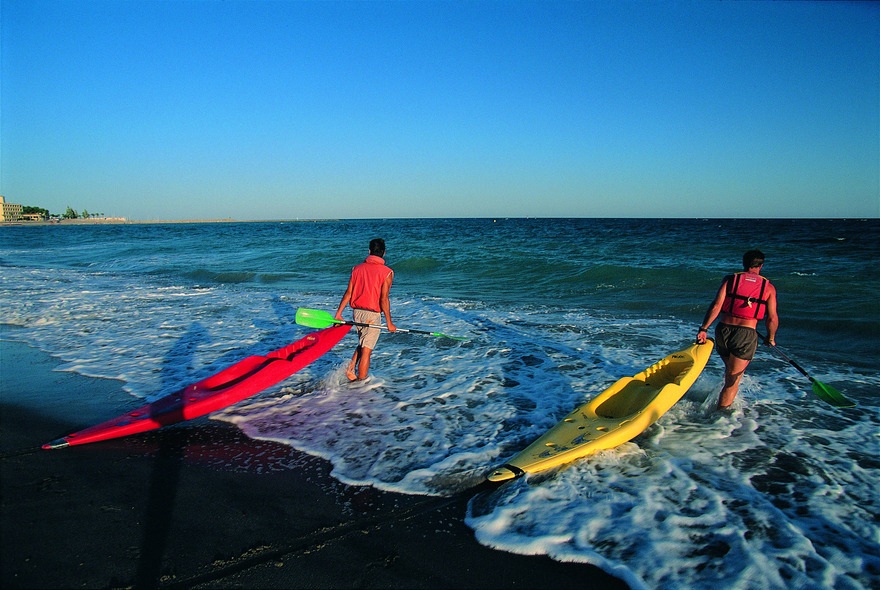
{"x":779,"y":493}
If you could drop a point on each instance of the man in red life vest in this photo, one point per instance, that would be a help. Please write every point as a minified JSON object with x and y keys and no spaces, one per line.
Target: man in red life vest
{"x":367,"y":293}
{"x":743,"y":299}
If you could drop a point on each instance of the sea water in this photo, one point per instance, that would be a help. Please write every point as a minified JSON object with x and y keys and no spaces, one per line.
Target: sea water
{"x":780,"y":492}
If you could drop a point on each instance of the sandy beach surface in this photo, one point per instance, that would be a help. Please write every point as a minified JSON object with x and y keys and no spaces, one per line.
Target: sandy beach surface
{"x":199,"y":505}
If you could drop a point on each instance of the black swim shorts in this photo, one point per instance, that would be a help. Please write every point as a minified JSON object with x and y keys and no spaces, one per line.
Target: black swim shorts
{"x":740,"y":341}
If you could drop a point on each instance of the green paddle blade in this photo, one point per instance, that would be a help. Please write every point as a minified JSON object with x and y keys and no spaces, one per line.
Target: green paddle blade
{"x":438,"y":334}
{"x":448,"y":336}
{"x":831,"y":395}
{"x":315,"y":318}
{"x":431,"y":334}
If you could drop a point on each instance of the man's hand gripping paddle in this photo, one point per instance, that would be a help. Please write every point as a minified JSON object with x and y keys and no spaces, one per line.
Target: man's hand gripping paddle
{"x":315,"y":318}
{"x":824,"y":392}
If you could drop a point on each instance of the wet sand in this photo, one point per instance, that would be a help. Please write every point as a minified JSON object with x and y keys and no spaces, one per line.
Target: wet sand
{"x":199,"y":505}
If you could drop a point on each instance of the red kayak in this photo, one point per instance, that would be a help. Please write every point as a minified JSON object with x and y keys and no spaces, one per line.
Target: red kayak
{"x":241,"y":380}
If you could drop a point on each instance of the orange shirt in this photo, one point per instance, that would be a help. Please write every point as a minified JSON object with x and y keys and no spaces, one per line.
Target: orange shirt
{"x":367,"y":279}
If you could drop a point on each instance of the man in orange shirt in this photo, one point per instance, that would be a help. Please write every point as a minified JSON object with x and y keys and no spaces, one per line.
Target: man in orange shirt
{"x":367,"y":293}
{"x":742,"y":300}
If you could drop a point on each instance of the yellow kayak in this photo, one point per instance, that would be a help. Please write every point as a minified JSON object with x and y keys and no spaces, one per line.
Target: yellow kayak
{"x":616,"y":415}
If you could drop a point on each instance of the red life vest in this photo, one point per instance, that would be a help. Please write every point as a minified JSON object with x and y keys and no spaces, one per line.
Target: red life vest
{"x":367,"y":279}
{"x":745,"y":296}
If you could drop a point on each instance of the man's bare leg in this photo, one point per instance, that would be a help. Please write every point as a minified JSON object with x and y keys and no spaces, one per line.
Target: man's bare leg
{"x":364,"y":362}
{"x":355,"y":360}
{"x":734,"y":367}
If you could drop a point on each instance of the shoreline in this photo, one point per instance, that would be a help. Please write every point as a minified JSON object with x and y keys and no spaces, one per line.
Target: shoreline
{"x":75,"y":222}
{"x":201,"y":505}
{"x":122,"y":221}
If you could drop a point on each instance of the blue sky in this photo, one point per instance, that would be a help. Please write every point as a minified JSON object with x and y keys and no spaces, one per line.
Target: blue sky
{"x":281,"y":110}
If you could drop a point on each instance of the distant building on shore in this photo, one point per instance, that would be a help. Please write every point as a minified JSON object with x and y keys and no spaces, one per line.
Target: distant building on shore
{"x":9,"y":211}
{"x":14,"y":213}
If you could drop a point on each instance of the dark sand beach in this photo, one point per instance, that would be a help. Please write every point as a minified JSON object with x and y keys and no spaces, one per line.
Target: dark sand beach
{"x":199,"y":505}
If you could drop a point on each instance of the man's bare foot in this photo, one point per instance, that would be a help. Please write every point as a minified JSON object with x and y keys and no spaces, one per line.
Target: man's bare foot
{"x":349,"y":372}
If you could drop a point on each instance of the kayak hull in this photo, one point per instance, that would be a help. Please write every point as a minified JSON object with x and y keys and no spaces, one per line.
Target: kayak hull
{"x":243,"y":379}
{"x":615,"y":416}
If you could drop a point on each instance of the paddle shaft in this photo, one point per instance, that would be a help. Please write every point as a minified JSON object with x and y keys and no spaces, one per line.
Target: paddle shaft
{"x":783,"y":355}
{"x":822,"y":391}
{"x":383,"y":327}
{"x":315,"y":318}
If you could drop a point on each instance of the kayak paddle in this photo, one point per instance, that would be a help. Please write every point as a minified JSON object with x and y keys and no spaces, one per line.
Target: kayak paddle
{"x":824,"y":392}
{"x":315,"y":318}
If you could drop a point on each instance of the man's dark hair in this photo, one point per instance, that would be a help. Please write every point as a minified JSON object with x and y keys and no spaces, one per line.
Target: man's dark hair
{"x":377,"y":247}
{"x":753,"y":259}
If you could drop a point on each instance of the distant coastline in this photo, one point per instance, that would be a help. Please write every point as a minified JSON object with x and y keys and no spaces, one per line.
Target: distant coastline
{"x":100,"y":221}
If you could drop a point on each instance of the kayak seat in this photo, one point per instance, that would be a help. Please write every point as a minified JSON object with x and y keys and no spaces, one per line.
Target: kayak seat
{"x":631,"y":399}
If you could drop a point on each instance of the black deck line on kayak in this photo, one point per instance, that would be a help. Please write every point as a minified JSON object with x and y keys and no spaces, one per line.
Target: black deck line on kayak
{"x":517,"y":472}
{"x":263,"y":365}
{"x":240,"y":378}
